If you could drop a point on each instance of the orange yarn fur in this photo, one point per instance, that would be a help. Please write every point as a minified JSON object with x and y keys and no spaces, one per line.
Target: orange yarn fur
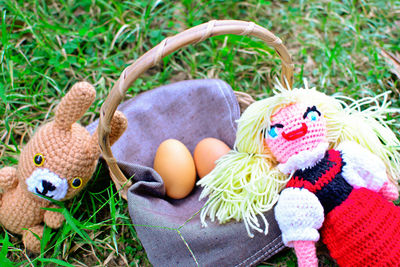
{"x":69,"y":152}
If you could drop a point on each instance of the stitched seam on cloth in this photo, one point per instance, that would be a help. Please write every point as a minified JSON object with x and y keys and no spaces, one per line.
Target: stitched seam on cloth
{"x":219,"y":84}
{"x":275,"y":249}
{"x":236,"y":108}
{"x":268,"y":252}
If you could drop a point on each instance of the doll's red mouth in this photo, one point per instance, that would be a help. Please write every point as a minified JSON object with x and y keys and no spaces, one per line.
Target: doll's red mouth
{"x":293,"y":135}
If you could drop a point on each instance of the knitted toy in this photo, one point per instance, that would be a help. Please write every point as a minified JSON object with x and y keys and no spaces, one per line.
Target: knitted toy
{"x":334,"y":162}
{"x":56,"y":163}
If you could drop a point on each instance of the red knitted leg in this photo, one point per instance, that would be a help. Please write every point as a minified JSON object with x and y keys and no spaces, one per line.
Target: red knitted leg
{"x":306,"y":254}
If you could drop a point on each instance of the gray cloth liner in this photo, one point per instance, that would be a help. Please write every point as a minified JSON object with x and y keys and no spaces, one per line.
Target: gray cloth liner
{"x":170,"y":230}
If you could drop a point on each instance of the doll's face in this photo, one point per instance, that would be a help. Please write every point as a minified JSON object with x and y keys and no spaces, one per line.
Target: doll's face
{"x":295,"y":128}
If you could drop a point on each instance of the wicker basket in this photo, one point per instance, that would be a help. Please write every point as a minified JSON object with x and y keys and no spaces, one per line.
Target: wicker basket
{"x":166,"y":47}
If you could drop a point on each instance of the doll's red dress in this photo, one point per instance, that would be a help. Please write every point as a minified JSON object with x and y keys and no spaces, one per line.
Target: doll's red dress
{"x":337,"y":192}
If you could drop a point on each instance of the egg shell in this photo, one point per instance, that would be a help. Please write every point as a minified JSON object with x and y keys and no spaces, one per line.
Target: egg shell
{"x":206,"y":152}
{"x":174,"y":163}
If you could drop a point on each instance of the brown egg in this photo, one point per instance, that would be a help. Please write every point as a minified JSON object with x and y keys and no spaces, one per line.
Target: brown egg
{"x":175,"y":165}
{"x":205,"y":154}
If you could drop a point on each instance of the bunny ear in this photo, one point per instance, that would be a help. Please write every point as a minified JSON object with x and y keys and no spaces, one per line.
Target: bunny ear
{"x":74,"y":104}
{"x":119,"y":123}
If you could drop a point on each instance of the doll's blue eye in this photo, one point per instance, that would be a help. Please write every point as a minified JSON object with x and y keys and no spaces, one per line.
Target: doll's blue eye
{"x":273,"y":131}
{"x":312,"y":116}
{"x":312,"y":113}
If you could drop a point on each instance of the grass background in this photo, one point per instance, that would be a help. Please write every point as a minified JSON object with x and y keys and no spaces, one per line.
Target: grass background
{"x":47,"y":46}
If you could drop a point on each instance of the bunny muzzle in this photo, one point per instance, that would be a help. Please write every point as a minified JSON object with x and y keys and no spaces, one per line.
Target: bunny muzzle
{"x":43,"y":182}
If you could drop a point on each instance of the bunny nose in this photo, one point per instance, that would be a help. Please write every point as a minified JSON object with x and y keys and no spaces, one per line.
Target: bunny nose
{"x":47,"y":186}
{"x":46,"y":183}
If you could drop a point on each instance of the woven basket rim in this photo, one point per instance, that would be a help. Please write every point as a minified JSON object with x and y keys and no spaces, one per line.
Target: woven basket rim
{"x":167,"y":46}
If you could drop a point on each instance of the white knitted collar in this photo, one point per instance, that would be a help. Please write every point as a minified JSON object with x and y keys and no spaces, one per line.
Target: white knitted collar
{"x":304,"y":159}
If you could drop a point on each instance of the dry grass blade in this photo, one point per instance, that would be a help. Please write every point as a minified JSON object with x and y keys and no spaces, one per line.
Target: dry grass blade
{"x":393,"y":61}
{"x":109,"y":258}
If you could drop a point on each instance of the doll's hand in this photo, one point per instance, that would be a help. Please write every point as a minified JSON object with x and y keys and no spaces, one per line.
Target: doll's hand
{"x":306,"y":253}
{"x":8,"y":178}
{"x":389,"y":191}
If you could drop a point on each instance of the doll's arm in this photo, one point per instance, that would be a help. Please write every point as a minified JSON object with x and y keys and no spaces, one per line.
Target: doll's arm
{"x":361,"y":167}
{"x":299,"y":215}
{"x":306,"y":253}
{"x":53,"y":219}
{"x":389,"y":191}
{"x":8,"y":178}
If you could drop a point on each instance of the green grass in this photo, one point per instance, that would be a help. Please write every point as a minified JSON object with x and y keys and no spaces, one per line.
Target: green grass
{"x":48,"y":46}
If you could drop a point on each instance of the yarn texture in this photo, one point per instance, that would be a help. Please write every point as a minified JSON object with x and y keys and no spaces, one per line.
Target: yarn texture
{"x":247,"y":181}
{"x":56,"y":163}
{"x":306,"y":253}
{"x":360,"y":227}
{"x":312,"y":154}
{"x":363,"y":231}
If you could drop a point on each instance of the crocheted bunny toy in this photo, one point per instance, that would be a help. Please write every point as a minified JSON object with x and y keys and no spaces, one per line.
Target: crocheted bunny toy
{"x":328,"y":165}
{"x":56,"y":163}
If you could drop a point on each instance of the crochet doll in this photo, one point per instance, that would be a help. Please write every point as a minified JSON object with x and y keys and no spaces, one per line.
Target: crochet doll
{"x":334,"y":163}
{"x":56,"y":163}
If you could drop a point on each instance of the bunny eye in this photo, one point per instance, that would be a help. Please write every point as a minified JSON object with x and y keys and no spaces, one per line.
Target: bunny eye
{"x":38,"y":159}
{"x":76,"y":182}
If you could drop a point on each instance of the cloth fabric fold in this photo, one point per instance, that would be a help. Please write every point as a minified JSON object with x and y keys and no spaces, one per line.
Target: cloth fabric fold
{"x":170,"y":230}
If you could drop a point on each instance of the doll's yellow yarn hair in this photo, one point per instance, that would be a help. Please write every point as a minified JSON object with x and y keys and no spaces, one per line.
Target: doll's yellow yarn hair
{"x":246,"y":183}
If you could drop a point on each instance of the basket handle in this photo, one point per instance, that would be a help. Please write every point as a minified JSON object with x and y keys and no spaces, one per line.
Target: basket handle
{"x":152,"y":57}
